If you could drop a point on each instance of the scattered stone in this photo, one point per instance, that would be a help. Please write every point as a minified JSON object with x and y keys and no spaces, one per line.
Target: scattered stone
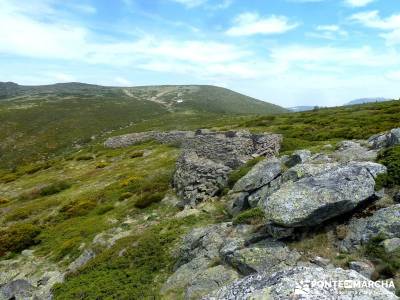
{"x":17,"y":289}
{"x":261,"y":174}
{"x":312,"y":200}
{"x":237,"y":202}
{"x":364,"y":268}
{"x":385,"y":139}
{"x":298,"y":157}
{"x":321,"y":262}
{"x":81,"y":261}
{"x":391,"y":245}
{"x":385,"y":222}
{"x":187,"y":212}
{"x":301,"y":283}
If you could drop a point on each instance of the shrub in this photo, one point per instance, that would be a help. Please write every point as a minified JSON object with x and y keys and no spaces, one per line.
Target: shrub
{"x":78,"y":208}
{"x":391,"y":159}
{"x":387,"y":264}
{"x":148,"y":199}
{"x":125,"y":195}
{"x":136,"y":154}
{"x":239,"y":173}
{"x":101,"y":165}
{"x":54,"y":188}
{"x":18,"y":237}
{"x":9,"y":178}
{"x":33,"y":168}
{"x":3,"y":201}
{"x":104,"y":209}
{"x":251,"y":216}
{"x":84,"y":157}
{"x":67,"y":247}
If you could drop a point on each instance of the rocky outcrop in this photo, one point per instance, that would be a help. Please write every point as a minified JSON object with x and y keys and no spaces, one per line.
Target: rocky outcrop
{"x":354,"y":151}
{"x":385,"y":139}
{"x":216,"y":255}
{"x":207,"y":159}
{"x":310,"y":283}
{"x":384,"y":222}
{"x":312,"y":200}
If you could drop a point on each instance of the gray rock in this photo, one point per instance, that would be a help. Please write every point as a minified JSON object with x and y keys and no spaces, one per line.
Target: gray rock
{"x":364,"y":268}
{"x":237,"y":202}
{"x":396,"y":197}
{"x":17,"y":289}
{"x":391,"y":245}
{"x":321,"y":262}
{"x":81,"y":261}
{"x":261,"y":174}
{"x":385,"y":139}
{"x":354,"y":151}
{"x":385,"y":222}
{"x":210,"y":280}
{"x":301,"y":283}
{"x":312,"y":200}
{"x":267,"y":255}
{"x":298,"y":157}
{"x":208,"y":158}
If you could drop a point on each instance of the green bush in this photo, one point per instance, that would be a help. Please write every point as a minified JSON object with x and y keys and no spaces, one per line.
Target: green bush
{"x":125,"y":195}
{"x":9,"y":178}
{"x":78,"y":208}
{"x":3,"y":200}
{"x":101,"y":165}
{"x":136,"y":154}
{"x":148,"y":199}
{"x":239,"y":173}
{"x":391,"y":159}
{"x":84,"y":157}
{"x":387,"y":264}
{"x":36,"y":167}
{"x":104,"y":209}
{"x":251,"y":216}
{"x":54,"y":188}
{"x":17,"y":238}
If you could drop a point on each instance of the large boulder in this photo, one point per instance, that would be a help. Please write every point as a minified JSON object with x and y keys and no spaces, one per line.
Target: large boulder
{"x":312,"y":200}
{"x":384,"y":222}
{"x":385,"y":139}
{"x":306,"y":283}
{"x":261,"y":174}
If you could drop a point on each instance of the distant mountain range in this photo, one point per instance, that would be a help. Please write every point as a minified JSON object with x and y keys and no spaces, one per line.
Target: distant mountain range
{"x":367,"y":100}
{"x":353,"y":102}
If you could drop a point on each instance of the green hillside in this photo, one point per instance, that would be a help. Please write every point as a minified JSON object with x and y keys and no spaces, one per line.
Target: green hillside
{"x":54,"y":207}
{"x":37,"y":121}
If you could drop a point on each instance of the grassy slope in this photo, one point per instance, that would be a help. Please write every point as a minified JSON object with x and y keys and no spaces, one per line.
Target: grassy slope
{"x":104,"y":186}
{"x":36,"y":122}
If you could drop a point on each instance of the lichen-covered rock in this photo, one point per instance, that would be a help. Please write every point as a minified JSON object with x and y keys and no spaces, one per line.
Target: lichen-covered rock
{"x":385,"y":139}
{"x":391,"y":245}
{"x":354,"y":151}
{"x":306,"y":283}
{"x":210,"y":280}
{"x":384,"y":222}
{"x":267,"y":255}
{"x":312,"y":200}
{"x":237,"y":202}
{"x":298,"y":157}
{"x":261,"y":174}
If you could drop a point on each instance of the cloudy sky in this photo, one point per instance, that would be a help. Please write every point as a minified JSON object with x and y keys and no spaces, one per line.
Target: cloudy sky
{"x":289,"y":52}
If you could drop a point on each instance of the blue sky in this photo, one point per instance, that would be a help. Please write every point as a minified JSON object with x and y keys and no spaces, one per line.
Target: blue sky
{"x":289,"y":52}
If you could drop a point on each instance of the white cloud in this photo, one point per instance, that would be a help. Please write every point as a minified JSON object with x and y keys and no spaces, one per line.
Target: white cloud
{"x":121,"y":81}
{"x":191,"y":3}
{"x":253,"y":23}
{"x":372,"y":19}
{"x":212,"y":5}
{"x":328,"y":32}
{"x":358,"y":3}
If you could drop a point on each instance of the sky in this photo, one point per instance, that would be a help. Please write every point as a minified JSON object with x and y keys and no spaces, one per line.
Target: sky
{"x":288,"y":52}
